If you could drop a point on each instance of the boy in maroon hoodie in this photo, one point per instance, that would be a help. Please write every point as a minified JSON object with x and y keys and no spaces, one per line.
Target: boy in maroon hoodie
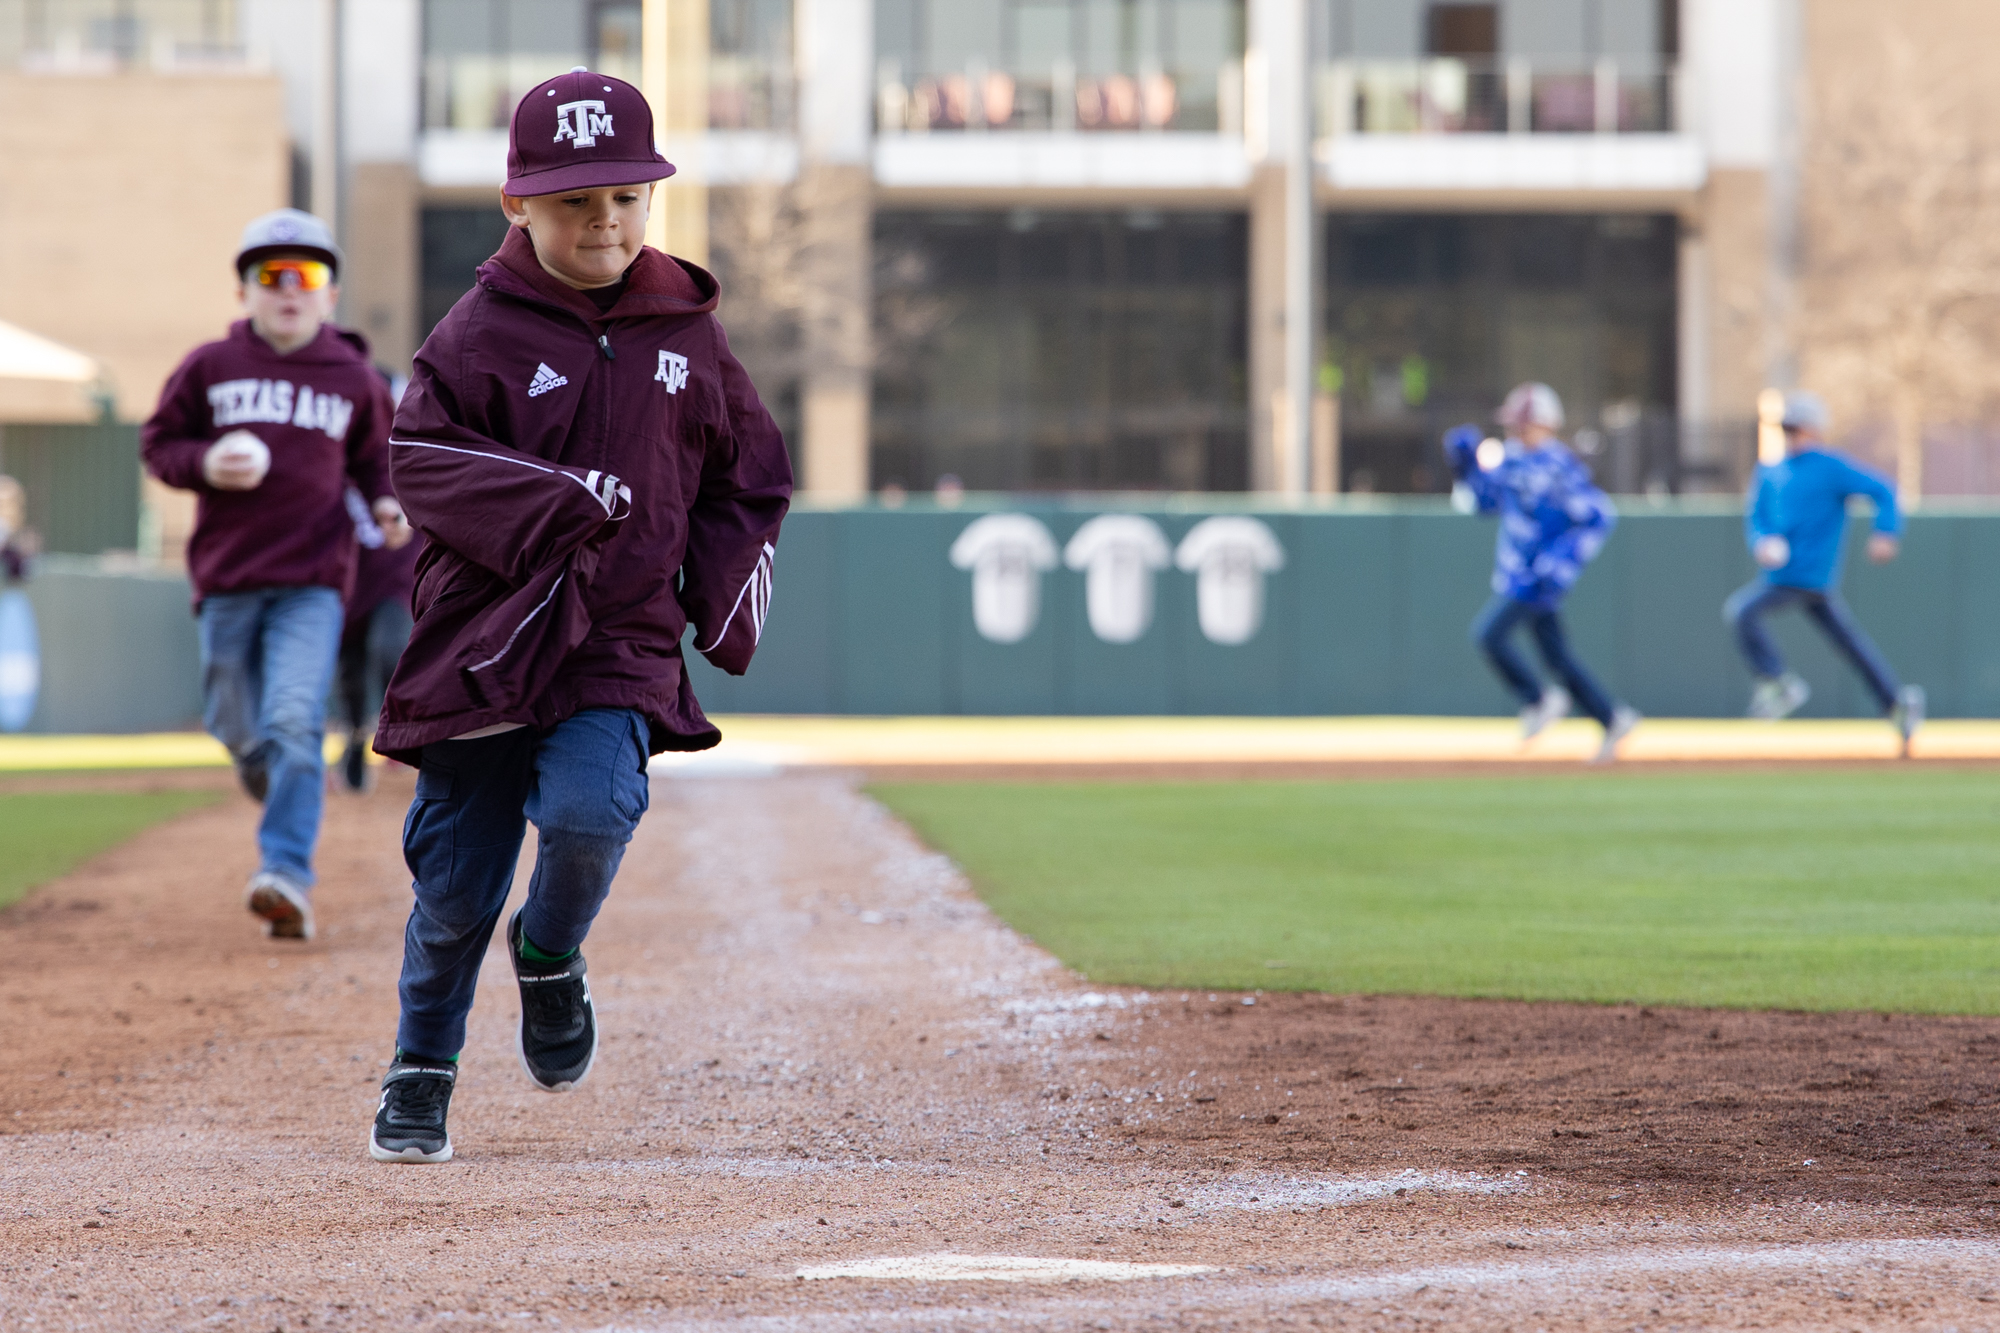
{"x":594,"y":474}
{"x":268,"y":427}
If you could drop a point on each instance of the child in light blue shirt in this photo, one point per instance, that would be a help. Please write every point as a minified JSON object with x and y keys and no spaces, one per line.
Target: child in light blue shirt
{"x":1796,"y":526}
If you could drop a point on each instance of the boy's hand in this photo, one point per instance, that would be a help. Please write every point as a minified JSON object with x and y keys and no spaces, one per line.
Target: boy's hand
{"x":239,"y":461}
{"x":1882,"y":548}
{"x":395,"y":526}
{"x":1772,"y":552}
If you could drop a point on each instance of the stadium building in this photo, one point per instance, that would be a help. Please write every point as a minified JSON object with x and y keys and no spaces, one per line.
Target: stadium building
{"x":1266,"y":245}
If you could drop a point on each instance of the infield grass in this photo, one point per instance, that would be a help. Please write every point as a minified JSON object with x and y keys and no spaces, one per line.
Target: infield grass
{"x":1816,"y":889}
{"x":46,"y":834}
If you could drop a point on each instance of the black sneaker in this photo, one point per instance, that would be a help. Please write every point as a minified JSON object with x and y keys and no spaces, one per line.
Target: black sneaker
{"x":256,"y":779}
{"x":558,"y":1037}
{"x":354,"y":770}
{"x":409,"y":1120}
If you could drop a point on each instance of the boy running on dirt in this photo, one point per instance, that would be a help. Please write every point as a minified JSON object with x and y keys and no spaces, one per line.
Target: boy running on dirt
{"x":594,"y":472}
{"x":269,"y":427}
{"x":1796,"y":525}
{"x":1553,"y":521}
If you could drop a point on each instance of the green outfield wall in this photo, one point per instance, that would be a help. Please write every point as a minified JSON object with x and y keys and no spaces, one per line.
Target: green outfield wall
{"x":1366,"y":613}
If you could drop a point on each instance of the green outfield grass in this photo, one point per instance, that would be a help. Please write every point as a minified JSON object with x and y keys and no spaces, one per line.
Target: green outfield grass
{"x":1857,"y":889}
{"x":45,"y":834}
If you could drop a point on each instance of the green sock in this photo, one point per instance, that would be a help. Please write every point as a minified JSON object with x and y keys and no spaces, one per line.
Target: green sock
{"x":402,"y":1054}
{"x":535,"y":953}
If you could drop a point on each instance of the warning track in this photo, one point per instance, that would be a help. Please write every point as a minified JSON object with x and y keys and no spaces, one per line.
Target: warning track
{"x":833,"y":1090}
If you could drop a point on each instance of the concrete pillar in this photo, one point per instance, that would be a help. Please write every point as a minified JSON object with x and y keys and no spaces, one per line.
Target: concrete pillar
{"x":380,"y":76}
{"x":1278,"y":139}
{"x":1267,"y":323}
{"x":1733,"y":302}
{"x":836,"y":61}
{"x":673,"y":69}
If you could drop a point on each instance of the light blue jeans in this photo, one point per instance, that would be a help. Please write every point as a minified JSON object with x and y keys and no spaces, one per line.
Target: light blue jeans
{"x":266,"y":665}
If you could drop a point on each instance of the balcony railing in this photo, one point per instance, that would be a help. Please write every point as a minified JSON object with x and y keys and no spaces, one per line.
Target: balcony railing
{"x":1060,"y":98}
{"x":1468,"y":96}
{"x":479,"y":92}
{"x":104,"y":36}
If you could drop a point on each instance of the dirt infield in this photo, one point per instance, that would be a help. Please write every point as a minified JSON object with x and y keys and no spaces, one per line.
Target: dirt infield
{"x":821,"y":1051}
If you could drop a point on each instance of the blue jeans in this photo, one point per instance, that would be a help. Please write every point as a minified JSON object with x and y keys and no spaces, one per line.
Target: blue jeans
{"x":1493,"y":632}
{"x":1747,"y":606}
{"x":266,"y":664}
{"x":583,"y":784}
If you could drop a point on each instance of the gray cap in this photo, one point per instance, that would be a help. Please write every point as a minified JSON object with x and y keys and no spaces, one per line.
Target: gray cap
{"x":1804,"y":411}
{"x":287,"y":231}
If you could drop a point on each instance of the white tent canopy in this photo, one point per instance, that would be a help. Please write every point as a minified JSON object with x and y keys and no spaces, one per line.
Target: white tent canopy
{"x":41,"y":380}
{"x":29,"y":356}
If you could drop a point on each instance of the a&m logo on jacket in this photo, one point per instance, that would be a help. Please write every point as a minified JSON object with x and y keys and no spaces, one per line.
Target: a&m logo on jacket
{"x":673,"y":371}
{"x":582,"y":122}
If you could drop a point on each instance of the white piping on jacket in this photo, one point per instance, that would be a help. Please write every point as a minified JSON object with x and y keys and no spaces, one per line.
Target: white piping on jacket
{"x":762,"y":579}
{"x":603,"y":495}
{"x":523,"y":625}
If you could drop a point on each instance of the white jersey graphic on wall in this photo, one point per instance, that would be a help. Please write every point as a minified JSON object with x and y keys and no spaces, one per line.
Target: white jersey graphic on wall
{"x":1007,"y":554}
{"x":1229,"y":556}
{"x":1119,"y":554}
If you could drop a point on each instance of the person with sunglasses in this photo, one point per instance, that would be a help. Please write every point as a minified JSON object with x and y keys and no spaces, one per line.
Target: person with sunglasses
{"x":268,"y":426}
{"x":1796,"y":527}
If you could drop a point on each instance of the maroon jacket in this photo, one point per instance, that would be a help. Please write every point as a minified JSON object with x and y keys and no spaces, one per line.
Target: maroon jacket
{"x":324,"y":413}
{"x":589,"y":484}
{"x":380,"y":574}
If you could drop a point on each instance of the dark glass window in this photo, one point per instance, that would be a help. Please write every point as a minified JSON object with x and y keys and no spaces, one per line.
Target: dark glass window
{"x":1534,"y":29}
{"x":1430,"y":318}
{"x":1033,"y":350}
{"x":455,"y":241}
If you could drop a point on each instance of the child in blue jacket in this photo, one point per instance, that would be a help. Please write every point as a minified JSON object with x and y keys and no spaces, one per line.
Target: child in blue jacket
{"x":1796,"y":525}
{"x":1553,"y":521}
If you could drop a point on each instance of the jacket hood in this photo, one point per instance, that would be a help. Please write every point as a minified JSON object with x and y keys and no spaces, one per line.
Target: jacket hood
{"x":333,"y":346}
{"x":655,"y":284}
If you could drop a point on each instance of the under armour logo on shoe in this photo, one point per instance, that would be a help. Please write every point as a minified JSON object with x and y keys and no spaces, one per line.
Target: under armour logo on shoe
{"x":673,"y":371}
{"x":545,"y":379}
{"x":582,"y":122}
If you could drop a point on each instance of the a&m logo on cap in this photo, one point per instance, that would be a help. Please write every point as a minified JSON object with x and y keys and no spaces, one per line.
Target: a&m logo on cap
{"x":582,"y":122}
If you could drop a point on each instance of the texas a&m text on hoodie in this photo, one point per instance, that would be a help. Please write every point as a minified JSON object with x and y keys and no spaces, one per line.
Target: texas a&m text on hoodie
{"x":591,"y":482}
{"x":324,"y":413}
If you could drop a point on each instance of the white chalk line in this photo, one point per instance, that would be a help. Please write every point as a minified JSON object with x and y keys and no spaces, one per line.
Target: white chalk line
{"x":1223,"y":1290}
{"x":1251,"y":1193}
{"x":995,"y":1268}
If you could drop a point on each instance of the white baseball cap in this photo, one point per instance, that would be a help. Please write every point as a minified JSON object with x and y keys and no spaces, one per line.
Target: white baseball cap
{"x":1531,"y":404}
{"x":1804,"y":411}
{"x":287,"y":231}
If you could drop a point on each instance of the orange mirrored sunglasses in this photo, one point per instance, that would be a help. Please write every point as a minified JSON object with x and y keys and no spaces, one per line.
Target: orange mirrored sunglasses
{"x":304,"y":275}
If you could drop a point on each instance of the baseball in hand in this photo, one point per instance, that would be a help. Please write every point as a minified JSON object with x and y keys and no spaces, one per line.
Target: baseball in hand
{"x":239,"y":461}
{"x":1772,"y":552}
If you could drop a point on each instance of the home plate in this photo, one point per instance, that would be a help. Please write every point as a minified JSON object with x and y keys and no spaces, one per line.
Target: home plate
{"x":996,"y":1268}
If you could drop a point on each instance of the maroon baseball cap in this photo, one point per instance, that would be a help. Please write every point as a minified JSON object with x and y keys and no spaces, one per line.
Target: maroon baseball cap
{"x":581,"y":131}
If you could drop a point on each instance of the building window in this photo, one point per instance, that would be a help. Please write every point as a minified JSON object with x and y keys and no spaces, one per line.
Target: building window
{"x":454,"y":242}
{"x":1023,"y":350}
{"x":1432,"y":317}
{"x":480,"y":56}
{"x":1550,"y":66}
{"x":84,"y":36}
{"x":1059,"y":64}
